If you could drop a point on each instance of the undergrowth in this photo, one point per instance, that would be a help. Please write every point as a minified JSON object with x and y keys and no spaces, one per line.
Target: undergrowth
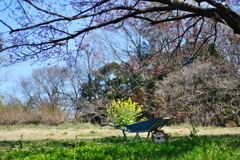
{"x":111,"y":148}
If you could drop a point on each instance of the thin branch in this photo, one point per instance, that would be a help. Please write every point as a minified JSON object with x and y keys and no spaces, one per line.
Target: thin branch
{"x":73,"y":18}
{"x":7,"y":25}
{"x":153,"y":22}
{"x":179,"y":43}
{"x":6,"y":6}
{"x":89,"y":9}
{"x":24,"y":11}
{"x":45,"y":11}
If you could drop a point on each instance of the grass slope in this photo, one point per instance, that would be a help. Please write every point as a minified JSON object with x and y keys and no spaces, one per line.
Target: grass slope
{"x":90,"y":142}
{"x":199,"y":148}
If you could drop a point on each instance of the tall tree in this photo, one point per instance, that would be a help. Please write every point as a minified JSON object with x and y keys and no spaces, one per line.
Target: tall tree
{"x":41,"y":30}
{"x":44,"y":88}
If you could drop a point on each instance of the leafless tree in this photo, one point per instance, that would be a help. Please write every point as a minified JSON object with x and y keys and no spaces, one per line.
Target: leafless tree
{"x":205,"y":92}
{"x":44,"y":86}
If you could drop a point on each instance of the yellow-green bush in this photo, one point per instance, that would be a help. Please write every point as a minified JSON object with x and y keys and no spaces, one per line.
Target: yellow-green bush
{"x":124,"y":111}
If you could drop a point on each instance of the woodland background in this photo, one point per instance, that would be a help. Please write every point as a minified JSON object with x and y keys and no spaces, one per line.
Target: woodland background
{"x":187,"y":67}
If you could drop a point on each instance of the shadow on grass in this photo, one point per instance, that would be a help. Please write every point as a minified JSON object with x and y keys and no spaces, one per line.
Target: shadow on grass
{"x":176,"y":147}
{"x":47,"y":144}
{"x":116,"y":147}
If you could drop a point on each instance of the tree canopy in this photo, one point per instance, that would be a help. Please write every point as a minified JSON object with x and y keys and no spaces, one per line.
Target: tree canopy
{"x":39,"y":30}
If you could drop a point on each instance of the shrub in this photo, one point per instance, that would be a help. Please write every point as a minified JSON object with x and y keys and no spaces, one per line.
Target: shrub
{"x":16,"y":115}
{"x":124,"y":111}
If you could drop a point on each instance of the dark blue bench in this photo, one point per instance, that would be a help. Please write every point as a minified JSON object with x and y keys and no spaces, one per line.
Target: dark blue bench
{"x":150,"y":126}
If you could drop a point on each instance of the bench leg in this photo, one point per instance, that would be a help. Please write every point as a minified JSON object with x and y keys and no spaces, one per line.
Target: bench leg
{"x":137,"y":136}
{"x":148,"y":135}
{"x":124,"y":134}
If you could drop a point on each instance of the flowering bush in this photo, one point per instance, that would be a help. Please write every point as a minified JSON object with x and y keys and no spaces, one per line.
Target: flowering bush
{"x":124,"y":112}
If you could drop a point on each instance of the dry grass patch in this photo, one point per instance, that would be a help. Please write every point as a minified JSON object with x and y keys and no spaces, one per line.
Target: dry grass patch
{"x":89,"y":131}
{"x":185,"y":130}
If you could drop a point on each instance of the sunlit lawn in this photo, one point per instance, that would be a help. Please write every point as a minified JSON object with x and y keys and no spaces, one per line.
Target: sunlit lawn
{"x":94,"y":144}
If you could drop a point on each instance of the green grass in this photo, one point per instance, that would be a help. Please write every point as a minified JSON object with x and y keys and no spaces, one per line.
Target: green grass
{"x":112,"y":148}
{"x":90,"y":134}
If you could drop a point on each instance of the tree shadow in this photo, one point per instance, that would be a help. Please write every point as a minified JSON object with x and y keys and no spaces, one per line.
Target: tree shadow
{"x":176,"y":146}
{"x":115,"y":145}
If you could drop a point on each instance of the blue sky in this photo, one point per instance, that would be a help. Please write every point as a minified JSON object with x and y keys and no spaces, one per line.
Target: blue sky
{"x":14,"y":72}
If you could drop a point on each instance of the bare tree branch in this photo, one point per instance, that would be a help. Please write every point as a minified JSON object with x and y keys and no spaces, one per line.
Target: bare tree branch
{"x":90,"y":16}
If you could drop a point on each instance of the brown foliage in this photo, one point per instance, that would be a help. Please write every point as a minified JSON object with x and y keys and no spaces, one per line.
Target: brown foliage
{"x":210,"y":96}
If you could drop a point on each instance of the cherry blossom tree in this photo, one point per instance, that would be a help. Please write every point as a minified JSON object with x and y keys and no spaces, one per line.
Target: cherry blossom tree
{"x":39,"y":30}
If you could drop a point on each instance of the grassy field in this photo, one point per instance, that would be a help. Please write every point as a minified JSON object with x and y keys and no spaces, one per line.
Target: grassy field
{"x":89,"y":131}
{"x":86,"y":141}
